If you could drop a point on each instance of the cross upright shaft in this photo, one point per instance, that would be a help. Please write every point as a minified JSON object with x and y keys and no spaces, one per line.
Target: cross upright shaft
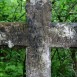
{"x":38,"y":63}
{"x":35,"y":1}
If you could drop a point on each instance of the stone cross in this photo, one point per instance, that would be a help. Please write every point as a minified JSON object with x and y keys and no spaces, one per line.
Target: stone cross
{"x":38,"y":36}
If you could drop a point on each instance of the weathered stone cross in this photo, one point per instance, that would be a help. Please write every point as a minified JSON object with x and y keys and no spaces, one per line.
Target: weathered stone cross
{"x":38,"y":36}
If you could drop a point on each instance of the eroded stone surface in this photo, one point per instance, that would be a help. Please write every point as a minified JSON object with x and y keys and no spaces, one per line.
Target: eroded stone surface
{"x":35,"y":1}
{"x":57,"y":34}
{"x":39,"y":35}
{"x":38,"y":54}
{"x":63,"y":35}
{"x":13,"y":34}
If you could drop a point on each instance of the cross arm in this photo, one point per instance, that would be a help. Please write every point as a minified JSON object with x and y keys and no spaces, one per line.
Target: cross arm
{"x":63,"y":35}
{"x":13,"y":33}
{"x":60,"y":34}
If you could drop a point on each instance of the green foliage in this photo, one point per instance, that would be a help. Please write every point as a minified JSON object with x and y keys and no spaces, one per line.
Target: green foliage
{"x":12,"y":10}
{"x":64,"y":10}
{"x":62,"y":63}
{"x":11,"y":62}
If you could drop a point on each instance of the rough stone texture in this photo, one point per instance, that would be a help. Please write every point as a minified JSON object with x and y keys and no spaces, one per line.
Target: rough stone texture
{"x":63,"y":35}
{"x":38,"y":62}
{"x":35,"y":1}
{"x":13,"y":34}
{"x":57,"y":34}
{"x":38,"y":36}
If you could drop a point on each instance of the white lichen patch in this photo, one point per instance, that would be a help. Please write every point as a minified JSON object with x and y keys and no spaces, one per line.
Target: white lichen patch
{"x":65,"y":31}
{"x":10,"y":44}
{"x":45,"y":58}
{"x":34,"y":72}
{"x":46,"y":61}
{"x":35,"y":1}
{"x":68,"y":32}
{"x":2,"y":36}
